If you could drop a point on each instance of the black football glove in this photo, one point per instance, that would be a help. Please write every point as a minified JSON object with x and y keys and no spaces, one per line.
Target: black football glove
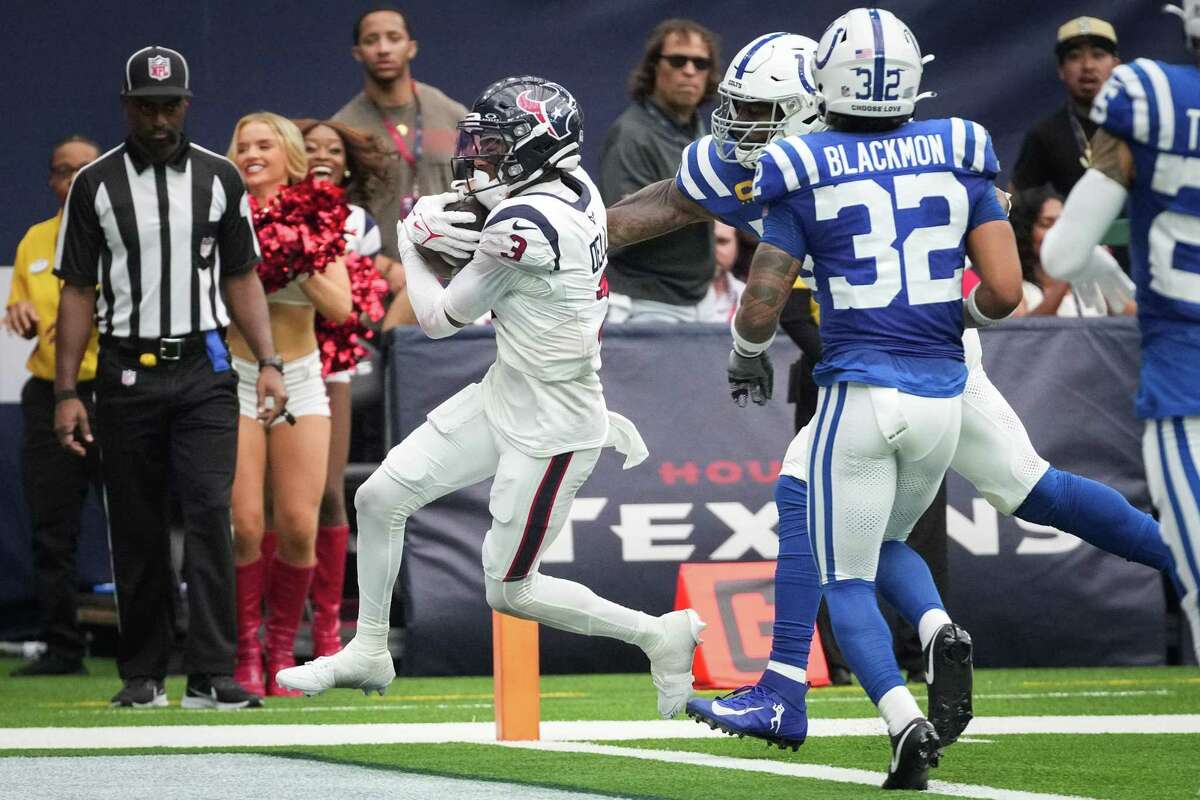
{"x":750,"y":376}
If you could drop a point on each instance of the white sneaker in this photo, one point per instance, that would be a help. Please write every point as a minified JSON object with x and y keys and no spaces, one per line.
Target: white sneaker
{"x":671,"y":660}
{"x":349,"y":668}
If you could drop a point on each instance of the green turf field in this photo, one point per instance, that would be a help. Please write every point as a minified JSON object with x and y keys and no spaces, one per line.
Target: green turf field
{"x":1156,"y":764}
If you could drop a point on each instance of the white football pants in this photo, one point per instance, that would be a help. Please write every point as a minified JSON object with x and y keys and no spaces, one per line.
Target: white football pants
{"x":1169,"y":448}
{"x":994,"y":452}
{"x":456,"y":447}
{"x":877,"y":459}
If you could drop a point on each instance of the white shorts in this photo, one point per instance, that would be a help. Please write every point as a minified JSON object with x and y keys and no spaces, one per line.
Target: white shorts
{"x":343,"y":376}
{"x":994,"y":452}
{"x":1170,"y":451}
{"x":301,"y":378}
{"x":876,"y":461}
{"x":457,"y":446}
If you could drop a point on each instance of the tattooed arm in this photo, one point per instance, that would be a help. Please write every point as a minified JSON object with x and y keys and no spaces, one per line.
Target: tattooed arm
{"x":657,"y":209}
{"x":772,"y":274}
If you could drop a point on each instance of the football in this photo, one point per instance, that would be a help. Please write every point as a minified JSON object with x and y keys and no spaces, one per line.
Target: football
{"x":444,"y":265}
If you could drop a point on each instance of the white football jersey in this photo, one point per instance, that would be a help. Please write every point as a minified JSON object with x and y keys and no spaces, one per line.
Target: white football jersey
{"x":543,"y":392}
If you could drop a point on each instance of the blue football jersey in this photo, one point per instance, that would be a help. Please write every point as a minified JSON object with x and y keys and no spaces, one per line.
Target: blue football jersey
{"x":1155,"y":108}
{"x":885,"y":218}
{"x":722,"y":188}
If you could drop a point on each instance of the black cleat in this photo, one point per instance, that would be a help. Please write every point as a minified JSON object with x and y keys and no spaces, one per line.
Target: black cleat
{"x":221,"y":692}
{"x":140,"y":693}
{"x":914,"y":750}
{"x":948,"y":675}
{"x":50,"y":664}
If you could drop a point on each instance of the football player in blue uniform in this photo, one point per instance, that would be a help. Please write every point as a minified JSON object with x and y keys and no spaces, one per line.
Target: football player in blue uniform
{"x":1147,"y":150}
{"x":887,"y":208}
{"x":767,"y":93}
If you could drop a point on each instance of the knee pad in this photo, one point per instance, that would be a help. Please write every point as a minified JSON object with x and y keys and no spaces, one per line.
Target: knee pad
{"x":382,"y":497}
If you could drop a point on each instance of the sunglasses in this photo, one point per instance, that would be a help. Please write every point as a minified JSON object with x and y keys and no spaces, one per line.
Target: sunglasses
{"x":679,"y":61}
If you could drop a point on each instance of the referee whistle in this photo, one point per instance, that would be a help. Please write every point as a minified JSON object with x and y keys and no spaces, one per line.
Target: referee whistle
{"x":148,"y":360}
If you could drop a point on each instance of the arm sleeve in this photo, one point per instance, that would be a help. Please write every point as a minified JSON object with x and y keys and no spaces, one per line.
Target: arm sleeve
{"x":626,"y":166}
{"x":80,"y":238}
{"x":236,"y":239}
{"x":1094,"y":202}
{"x":442,"y":312}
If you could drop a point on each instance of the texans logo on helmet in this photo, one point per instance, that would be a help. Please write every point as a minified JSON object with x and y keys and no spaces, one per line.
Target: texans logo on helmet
{"x":556,"y":126}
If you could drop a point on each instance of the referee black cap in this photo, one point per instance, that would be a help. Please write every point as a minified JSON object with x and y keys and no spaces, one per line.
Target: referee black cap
{"x":157,"y":72}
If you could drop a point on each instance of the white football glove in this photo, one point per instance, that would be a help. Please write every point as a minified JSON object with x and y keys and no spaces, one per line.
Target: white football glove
{"x":1105,"y":275}
{"x":430,"y":225}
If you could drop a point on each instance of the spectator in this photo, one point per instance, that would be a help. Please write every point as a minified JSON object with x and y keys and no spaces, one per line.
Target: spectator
{"x":166,"y":400}
{"x":418,"y":122}
{"x":55,"y":482}
{"x":269,"y":152}
{"x":1035,"y":211}
{"x":350,"y":159}
{"x":662,"y":280}
{"x":720,"y":303}
{"x":1057,"y":150}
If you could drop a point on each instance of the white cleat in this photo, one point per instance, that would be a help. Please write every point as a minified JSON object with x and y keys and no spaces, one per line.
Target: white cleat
{"x":350,"y":668}
{"x":671,"y":660}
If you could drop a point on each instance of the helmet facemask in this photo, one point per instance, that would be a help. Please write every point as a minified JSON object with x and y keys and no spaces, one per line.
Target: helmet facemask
{"x":743,"y":126}
{"x":483,"y":159}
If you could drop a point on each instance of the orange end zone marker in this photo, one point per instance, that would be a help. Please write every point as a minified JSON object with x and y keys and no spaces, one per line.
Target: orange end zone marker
{"x":516,"y":677}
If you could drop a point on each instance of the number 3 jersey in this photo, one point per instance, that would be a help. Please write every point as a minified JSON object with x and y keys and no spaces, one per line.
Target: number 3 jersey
{"x":543,"y":393}
{"x":1155,"y":108}
{"x":885,"y":218}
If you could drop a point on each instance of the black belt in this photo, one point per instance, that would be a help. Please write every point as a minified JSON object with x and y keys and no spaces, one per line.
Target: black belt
{"x":167,"y":348}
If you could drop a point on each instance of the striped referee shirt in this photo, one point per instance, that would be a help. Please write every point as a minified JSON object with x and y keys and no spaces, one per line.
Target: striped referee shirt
{"x":157,"y":239}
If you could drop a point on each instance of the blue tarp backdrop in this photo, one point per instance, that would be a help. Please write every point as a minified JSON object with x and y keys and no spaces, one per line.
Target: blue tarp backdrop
{"x":1030,"y":596}
{"x":64,"y":60}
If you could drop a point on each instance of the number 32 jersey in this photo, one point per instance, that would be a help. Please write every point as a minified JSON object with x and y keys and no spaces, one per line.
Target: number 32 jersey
{"x":1155,"y":108}
{"x":885,"y":218}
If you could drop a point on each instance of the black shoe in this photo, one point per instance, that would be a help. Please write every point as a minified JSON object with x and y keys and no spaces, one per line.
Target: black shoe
{"x":50,"y":664}
{"x":141,"y":693}
{"x":840,"y":676}
{"x":914,"y":750}
{"x":221,"y":692}
{"x":948,"y":671}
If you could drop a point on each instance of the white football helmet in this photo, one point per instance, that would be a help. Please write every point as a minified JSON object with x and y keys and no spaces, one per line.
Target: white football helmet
{"x":868,"y":64}
{"x":1189,"y":12}
{"x":774,"y":69}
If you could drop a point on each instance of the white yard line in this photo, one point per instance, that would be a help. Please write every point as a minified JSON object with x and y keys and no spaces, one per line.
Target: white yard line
{"x":814,"y":771}
{"x":817,"y":698}
{"x":275,"y":735}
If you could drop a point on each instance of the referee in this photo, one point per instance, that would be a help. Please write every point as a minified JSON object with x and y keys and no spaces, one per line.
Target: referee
{"x":163,"y":227}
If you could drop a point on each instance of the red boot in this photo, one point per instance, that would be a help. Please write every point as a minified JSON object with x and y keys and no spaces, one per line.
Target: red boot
{"x":327,"y":590}
{"x":249,"y":670}
{"x":287,"y":586}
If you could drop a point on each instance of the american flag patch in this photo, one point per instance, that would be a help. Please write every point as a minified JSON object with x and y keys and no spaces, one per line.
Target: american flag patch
{"x":865,"y":52}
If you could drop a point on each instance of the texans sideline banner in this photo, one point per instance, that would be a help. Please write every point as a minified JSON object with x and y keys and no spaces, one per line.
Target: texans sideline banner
{"x":1029,"y":595}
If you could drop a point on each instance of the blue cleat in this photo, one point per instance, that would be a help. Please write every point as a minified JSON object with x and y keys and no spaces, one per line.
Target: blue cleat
{"x":754,"y":711}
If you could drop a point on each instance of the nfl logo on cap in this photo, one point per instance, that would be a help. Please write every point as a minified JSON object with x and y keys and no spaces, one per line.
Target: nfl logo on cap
{"x":156,"y":72}
{"x":159,"y":67}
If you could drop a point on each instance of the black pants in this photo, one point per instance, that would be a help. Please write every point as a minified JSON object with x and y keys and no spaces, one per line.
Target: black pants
{"x":56,"y":484}
{"x":169,"y":428}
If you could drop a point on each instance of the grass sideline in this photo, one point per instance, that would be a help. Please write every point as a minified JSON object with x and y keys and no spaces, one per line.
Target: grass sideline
{"x":1101,"y":766}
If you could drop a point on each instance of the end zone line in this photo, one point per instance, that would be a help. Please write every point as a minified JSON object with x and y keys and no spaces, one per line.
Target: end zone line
{"x":282,"y":735}
{"x":813,"y":771}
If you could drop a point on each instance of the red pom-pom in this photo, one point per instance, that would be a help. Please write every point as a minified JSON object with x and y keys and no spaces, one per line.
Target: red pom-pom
{"x":341,"y":345}
{"x":299,"y":232}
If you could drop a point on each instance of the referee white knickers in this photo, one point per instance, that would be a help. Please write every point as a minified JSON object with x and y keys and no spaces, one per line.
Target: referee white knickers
{"x":1169,"y":449}
{"x":876,"y":461}
{"x":994,"y":452}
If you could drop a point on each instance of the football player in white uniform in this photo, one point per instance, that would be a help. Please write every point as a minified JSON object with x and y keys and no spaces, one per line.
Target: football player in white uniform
{"x":537,"y":421}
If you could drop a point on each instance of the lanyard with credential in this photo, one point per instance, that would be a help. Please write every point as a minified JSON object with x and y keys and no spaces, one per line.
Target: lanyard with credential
{"x":1081,"y":140}
{"x":411,"y":157}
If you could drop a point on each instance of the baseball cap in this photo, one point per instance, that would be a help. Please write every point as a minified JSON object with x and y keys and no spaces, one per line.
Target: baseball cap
{"x":156,"y":72}
{"x":1089,"y":30}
